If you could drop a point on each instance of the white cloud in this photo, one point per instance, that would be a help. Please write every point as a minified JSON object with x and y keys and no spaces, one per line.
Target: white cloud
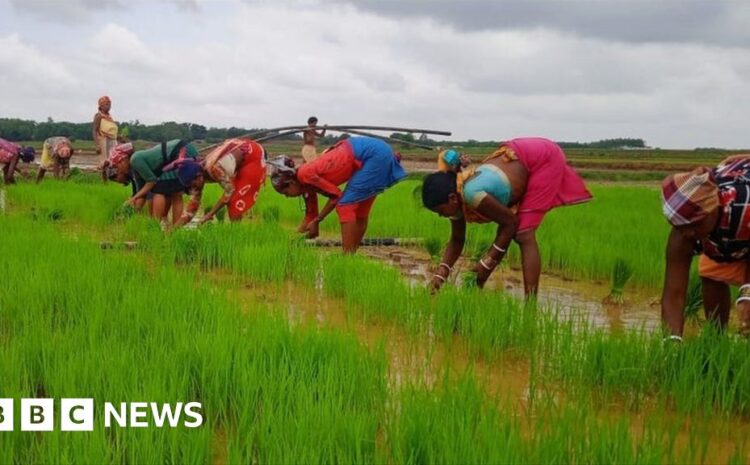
{"x":261,"y":63}
{"x":116,"y":45}
{"x":28,"y":71}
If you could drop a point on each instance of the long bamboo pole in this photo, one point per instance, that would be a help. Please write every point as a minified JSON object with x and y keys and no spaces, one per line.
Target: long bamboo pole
{"x":405,"y":142}
{"x":288,"y":130}
{"x":357,"y":127}
{"x":391,"y":139}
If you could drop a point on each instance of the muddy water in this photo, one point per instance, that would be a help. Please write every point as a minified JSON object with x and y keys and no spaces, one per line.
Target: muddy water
{"x":420,"y":359}
{"x":412,"y":358}
{"x":565,"y":297}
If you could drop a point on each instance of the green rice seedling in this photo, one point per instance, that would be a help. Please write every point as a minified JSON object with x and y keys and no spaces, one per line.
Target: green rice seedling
{"x":468,"y":279}
{"x":694,"y":300}
{"x":416,"y":195}
{"x":55,"y":214}
{"x":271,"y":214}
{"x":154,"y":334}
{"x":458,"y":423}
{"x":621,"y":273}
{"x":125,"y":211}
{"x":147,"y":329}
{"x":433,"y":246}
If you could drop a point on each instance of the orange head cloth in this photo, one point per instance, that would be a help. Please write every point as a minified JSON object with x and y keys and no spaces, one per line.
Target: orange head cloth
{"x":104,"y":100}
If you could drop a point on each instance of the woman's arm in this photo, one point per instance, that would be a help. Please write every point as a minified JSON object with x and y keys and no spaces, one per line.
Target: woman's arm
{"x":193,"y":205}
{"x":451,"y":254}
{"x":679,"y":254}
{"x":312,"y":227}
{"x":311,"y":210}
{"x":507,"y":224}
{"x":225,"y":181}
{"x":221,"y":203}
{"x":141,"y":194}
{"x":95,"y":132}
{"x":103,"y":171}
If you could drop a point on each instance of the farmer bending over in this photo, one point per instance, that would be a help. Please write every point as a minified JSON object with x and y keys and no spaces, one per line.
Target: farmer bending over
{"x":10,"y":153}
{"x":707,"y":209}
{"x":514,"y":188}
{"x":239,"y":166}
{"x":56,"y":153}
{"x":151,"y":178}
{"x":368,"y":166}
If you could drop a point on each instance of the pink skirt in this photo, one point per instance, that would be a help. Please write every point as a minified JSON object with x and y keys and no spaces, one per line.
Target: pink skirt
{"x":551,"y":182}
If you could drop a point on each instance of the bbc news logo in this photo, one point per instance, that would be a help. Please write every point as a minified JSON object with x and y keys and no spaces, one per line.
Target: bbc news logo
{"x":79,"y":415}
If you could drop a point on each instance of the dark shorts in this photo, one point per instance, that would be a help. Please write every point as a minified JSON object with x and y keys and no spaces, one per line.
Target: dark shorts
{"x":168,"y":188}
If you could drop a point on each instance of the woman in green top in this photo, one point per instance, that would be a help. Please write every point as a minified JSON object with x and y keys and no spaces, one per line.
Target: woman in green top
{"x":164,"y":188}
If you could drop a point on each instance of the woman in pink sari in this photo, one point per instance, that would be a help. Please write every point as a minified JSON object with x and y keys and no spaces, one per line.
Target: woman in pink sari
{"x":514,"y":188}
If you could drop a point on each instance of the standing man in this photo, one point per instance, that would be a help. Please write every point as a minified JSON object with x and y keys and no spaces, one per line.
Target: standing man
{"x":309,"y":152}
{"x":707,"y":209}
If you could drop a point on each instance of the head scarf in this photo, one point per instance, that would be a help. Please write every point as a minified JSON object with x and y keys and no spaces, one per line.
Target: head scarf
{"x":27,"y":154}
{"x":63,"y":146}
{"x":104,"y":100}
{"x":449,"y":160}
{"x":687,"y":197}
{"x":120,"y":152}
{"x":281,"y":169}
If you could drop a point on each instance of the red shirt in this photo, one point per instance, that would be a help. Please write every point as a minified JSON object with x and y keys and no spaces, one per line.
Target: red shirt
{"x":335,"y":167}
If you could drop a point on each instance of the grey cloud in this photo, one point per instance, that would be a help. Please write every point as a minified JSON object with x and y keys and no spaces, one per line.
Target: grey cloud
{"x":79,"y":10}
{"x":711,"y":22}
{"x":68,"y":10}
{"x":186,"y":5}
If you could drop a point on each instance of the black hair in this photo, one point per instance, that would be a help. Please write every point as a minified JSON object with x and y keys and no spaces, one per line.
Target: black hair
{"x":312,"y":119}
{"x":437,"y":187}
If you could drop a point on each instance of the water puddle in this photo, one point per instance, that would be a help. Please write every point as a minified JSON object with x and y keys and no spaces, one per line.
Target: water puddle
{"x":412,"y":358}
{"x":567,"y":298}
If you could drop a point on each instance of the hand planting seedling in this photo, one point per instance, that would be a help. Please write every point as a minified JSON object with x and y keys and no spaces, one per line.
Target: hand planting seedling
{"x":124,"y":212}
{"x":621,"y":273}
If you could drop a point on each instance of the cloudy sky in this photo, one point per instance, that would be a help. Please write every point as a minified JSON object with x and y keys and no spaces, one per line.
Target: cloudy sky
{"x":674,"y":72}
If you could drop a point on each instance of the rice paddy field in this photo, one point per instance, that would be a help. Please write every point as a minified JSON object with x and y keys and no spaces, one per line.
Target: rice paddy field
{"x":299,"y":354}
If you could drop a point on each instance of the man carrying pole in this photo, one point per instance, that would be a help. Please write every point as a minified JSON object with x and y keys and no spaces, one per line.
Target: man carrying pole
{"x":309,"y":152}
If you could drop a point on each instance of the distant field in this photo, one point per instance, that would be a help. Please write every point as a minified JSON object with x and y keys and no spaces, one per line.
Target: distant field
{"x":614,"y":165}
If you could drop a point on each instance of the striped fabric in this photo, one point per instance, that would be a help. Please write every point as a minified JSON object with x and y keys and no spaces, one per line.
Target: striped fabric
{"x":730,"y":239}
{"x":686,"y":197}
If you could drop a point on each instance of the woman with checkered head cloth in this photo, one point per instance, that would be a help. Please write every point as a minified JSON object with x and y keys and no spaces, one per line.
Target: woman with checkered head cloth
{"x":709,"y":210}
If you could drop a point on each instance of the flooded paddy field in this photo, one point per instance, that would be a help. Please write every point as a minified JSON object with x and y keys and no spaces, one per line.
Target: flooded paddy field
{"x":301,"y":354}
